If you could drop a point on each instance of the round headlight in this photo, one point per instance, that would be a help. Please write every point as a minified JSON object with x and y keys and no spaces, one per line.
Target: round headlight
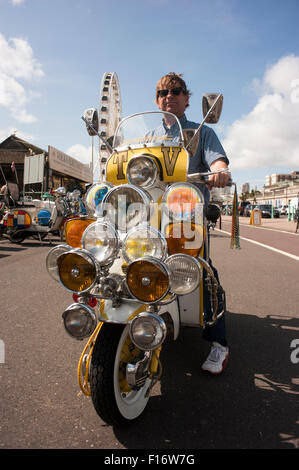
{"x":147,"y":280}
{"x":102,"y":240}
{"x":74,"y":229}
{"x":126,"y":206}
{"x":184,"y":237}
{"x":147,"y":331}
{"x":143,"y":241}
{"x":95,"y":196}
{"x":185,"y":273}
{"x":77,"y":270}
{"x":79,"y":320}
{"x":51,"y":260}
{"x":142,"y":171}
{"x":183,"y":201}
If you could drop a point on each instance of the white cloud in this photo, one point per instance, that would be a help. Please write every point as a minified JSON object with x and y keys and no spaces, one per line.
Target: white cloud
{"x":17,"y":63}
{"x":268,"y":136}
{"x":4,"y":133}
{"x":81,"y":153}
{"x":17,"y":2}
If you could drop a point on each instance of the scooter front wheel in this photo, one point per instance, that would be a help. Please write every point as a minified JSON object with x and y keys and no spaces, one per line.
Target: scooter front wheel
{"x":114,"y":401}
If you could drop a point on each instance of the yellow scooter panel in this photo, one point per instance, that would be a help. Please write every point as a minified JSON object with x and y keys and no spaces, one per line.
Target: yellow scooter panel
{"x":173,"y":160}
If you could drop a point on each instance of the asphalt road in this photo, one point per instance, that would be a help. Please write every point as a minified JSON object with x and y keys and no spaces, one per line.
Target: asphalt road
{"x":252,"y":405}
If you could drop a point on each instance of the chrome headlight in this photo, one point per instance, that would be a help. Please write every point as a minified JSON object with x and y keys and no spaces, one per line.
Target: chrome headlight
{"x":148,"y":280}
{"x":144,"y":240}
{"x":183,"y":201}
{"x":102,"y":240}
{"x":147,"y":331}
{"x":95,"y":196}
{"x":79,"y":320}
{"x":142,"y":171}
{"x":185,"y":273}
{"x":51,"y":260}
{"x":126,"y":206}
{"x":77,"y":270}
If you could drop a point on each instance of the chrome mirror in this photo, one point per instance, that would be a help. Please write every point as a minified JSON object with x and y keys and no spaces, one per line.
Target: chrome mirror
{"x":91,"y":119}
{"x":60,"y":191}
{"x":212,"y":107}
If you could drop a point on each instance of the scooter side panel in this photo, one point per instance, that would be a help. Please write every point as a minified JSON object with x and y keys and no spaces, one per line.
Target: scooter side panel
{"x":190,"y":308}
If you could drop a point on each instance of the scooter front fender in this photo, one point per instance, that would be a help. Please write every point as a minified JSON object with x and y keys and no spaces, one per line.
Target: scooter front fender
{"x":128,"y":310}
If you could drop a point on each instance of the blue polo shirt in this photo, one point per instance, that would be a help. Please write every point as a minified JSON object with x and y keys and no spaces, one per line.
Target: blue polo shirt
{"x":208,"y":150}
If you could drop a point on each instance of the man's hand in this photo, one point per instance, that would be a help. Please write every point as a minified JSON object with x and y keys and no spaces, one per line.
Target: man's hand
{"x":221,"y":179}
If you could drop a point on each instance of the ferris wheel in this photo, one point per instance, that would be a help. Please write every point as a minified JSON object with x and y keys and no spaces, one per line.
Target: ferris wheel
{"x":109,"y":117}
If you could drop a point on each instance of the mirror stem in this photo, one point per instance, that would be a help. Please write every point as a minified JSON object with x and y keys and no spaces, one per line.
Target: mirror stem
{"x":99,"y":136}
{"x":204,"y":120}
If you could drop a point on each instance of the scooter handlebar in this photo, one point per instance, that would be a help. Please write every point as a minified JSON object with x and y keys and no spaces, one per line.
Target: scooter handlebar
{"x":204,"y":177}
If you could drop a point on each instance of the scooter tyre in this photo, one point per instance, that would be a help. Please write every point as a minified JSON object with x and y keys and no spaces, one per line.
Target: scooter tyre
{"x":111,"y":404}
{"x":17,"y":237}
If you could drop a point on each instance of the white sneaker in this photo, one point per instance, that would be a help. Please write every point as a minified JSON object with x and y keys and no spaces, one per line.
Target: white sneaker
{"x":217,"y":359}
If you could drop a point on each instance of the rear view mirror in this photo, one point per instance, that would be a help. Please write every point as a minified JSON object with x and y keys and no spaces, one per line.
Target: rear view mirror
{"x":60,"y":191}
{"x":91,"y":118}
{"x":212,"y":105}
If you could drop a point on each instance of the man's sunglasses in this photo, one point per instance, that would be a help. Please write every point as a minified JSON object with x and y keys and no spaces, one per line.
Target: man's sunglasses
{"x":174,"y":91}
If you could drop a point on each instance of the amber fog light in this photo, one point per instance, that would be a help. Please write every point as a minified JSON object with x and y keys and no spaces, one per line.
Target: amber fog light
{"x":77,"y":270}
{"x":184,"y":237}
{"x":74,"y":229}
{"x":148,"y":280}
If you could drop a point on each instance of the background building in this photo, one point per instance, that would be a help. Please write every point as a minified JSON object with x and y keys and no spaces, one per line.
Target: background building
{"x":58,"y":168}
{"x":279,"y":190}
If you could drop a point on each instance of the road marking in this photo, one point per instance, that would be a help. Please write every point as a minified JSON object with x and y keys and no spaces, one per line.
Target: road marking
{"x":264,"y":246}
{"x":268,"y":228}
{"x":2,"y":351}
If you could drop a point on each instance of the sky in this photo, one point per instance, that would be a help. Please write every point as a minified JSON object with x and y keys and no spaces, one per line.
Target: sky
{"x":54,"y":53}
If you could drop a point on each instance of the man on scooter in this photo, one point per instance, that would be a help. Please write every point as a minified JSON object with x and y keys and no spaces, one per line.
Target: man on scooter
{"x":172,"y":96}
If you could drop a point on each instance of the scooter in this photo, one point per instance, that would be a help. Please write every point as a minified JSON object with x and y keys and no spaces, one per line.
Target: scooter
{"x":136,"y":268}
{"x":3,"y":210}
{"x":34,"y":219}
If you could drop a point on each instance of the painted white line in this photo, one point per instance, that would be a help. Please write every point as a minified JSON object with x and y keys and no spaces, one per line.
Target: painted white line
{"x":264,"y":228}
{"x":268,"y":228}
{"x":264,"y":246}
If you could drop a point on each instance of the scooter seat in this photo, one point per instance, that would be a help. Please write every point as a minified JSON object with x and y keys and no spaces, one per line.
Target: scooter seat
{"x":23,"y":205}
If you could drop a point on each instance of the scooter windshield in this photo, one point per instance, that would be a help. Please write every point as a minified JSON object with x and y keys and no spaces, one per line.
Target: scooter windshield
{"x":148,"y":129}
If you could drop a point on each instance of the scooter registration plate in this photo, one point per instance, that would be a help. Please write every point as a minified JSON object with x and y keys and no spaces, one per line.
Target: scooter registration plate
{"x":21,"y":219}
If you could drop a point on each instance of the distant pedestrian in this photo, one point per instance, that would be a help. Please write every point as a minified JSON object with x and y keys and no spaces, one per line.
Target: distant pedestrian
{"x":297,"y":219}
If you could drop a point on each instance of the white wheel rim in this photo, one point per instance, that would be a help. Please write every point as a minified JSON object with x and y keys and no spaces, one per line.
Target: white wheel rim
{"x":109,"y":117}
{"x":133,"y":403}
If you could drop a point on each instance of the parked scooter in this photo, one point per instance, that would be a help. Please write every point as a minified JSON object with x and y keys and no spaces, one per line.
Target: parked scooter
{"x":35,"y":220}
{"x":135,"y":270}
{"x":3,"y":210}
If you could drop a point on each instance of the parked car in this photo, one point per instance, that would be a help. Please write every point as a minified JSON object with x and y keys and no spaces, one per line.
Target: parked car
{"x":266,"y":210}
{"x":283,"y":210}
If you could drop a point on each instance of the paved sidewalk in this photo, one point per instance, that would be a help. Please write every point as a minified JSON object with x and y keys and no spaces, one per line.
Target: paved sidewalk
{"x":280,"y":223}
